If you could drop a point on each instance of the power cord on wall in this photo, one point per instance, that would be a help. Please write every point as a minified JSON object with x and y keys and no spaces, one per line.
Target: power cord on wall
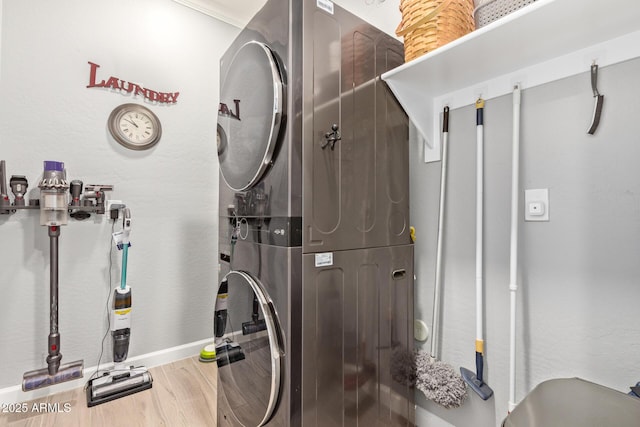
{"x":97,"y":372}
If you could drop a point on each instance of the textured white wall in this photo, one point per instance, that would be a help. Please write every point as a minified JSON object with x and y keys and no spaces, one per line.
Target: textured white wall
{"x":47,"y":113}
{"x":578,"y":273}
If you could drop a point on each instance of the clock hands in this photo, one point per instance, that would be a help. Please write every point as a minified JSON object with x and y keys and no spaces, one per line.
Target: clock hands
{"x":131,"y":121}
{"x":134,"y":126}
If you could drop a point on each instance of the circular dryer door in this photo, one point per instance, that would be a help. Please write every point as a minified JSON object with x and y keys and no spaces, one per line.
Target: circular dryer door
{"x":249,"y":115}
{"x":248,"y":348}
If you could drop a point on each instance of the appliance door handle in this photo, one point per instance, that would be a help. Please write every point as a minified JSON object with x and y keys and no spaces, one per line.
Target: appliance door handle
{"x":330,"y":138}
{"x":399,"y":274}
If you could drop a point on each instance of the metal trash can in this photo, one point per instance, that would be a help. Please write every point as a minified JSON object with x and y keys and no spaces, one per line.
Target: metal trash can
{"x":571,"y":402}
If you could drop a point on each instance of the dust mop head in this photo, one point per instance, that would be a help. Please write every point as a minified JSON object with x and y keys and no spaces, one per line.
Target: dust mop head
{"x":403,"y":367}
{"x":439,"y":382}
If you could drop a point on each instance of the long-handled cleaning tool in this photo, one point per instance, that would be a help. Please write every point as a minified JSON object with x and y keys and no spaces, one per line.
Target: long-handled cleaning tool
{"x":122,"y":380}
{"x":475,"y":381}
{"x":55,"y":372}
{"x":513,"y":263}
{"x":53,"y":213}
{"x":437,"y":380}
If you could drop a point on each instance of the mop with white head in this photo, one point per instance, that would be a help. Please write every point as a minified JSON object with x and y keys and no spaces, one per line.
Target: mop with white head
{"x":439,"y":381}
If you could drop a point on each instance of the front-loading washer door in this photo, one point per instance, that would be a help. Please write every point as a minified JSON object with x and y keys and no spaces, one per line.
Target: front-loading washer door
{"x":249,"y":115}
{"x":249,"y":348}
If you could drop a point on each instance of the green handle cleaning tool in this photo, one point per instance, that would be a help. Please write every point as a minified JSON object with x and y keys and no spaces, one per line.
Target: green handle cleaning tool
{"x":123,"y":274}
{"x":123,"y":379}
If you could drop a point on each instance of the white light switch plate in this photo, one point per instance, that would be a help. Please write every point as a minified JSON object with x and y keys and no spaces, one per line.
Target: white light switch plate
{"x":536,"y":205}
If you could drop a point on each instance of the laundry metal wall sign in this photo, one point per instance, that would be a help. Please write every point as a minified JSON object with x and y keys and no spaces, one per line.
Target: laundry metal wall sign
{"x":130,"y":87}
{"x":224,"y":111}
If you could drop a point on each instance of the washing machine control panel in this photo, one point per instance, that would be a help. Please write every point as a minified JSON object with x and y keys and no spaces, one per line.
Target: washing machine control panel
{"x":275,"y":231}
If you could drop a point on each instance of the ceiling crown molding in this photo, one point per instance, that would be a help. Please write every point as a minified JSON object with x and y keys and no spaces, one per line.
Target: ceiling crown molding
{"x":234,"y":12}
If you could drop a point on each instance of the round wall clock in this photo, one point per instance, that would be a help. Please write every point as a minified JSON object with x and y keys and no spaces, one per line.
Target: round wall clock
{"x":134,"y":126}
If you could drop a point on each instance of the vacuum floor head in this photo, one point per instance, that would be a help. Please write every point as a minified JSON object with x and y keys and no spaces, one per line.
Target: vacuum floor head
{"x":115,"y":384}
{"x":39,"y":378}
{"x":482,"y":389}
{"x":253,"y":327}
{"x":229,"y":353}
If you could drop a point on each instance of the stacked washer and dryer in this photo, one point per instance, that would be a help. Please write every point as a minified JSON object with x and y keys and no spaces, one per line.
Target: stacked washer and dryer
{"x":315,"y":302}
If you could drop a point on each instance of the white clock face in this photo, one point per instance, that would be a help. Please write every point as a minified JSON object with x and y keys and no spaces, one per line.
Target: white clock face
{"x":137,"y":127}
{"x":134,"y":126}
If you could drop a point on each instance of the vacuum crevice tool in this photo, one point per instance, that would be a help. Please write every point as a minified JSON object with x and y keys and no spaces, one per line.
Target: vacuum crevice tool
{"x":599,"y":100}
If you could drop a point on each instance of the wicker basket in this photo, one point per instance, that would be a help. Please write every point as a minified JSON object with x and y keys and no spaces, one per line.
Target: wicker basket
{"x":429,"y":24}
{"x":487,"y":11}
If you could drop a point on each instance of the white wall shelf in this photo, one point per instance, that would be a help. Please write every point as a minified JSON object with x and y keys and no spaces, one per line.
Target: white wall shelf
{"x":545,"y":41}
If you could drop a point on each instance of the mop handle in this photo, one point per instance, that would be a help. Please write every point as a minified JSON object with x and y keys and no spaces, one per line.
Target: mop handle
{"x":125,"y":256}
{"x":479,"y":235}
{"x":479,"y":216}
{"x":126,"y":229}
{"x":479,"y":366}
{"x":438,"y":283}
{"x":513,"y":264}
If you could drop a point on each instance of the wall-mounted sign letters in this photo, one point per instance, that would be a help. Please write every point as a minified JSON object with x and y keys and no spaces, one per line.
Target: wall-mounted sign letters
{"x":130,"y":87}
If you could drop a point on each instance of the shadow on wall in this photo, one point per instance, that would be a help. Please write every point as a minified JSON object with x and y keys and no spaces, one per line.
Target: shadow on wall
{"x":199,"y":278}
{"x":36,"y":247}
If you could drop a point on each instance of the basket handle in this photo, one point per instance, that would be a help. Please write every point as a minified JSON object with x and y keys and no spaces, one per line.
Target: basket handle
{"x":402,"y":31}
{"x":480,"y":6}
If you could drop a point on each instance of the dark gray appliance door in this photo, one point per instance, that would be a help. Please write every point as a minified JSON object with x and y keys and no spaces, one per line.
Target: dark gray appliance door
{"x":357,"y":324}
{"x":356,"y":177}
{"x":249,"y":115}
{"x":248,"y":348}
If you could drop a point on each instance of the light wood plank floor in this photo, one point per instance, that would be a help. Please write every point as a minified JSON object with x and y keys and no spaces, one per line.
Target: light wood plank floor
{"x":183,"y":394}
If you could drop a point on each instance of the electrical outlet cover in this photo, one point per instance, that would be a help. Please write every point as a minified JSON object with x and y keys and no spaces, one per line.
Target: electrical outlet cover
{"x":536,"y":205}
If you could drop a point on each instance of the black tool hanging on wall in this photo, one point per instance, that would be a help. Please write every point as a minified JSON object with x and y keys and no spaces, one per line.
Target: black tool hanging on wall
{"x":599,"y":100}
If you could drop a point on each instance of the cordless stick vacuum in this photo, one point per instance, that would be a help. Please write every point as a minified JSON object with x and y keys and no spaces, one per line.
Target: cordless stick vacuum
{"x":122,"y":380}
{"x":53,"y":214}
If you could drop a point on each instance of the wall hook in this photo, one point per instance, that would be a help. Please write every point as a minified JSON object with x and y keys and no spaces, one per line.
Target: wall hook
{"x":599,"y":100}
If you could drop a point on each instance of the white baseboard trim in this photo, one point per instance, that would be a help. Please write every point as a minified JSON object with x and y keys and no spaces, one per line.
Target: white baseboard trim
{"x":14,"y":394}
